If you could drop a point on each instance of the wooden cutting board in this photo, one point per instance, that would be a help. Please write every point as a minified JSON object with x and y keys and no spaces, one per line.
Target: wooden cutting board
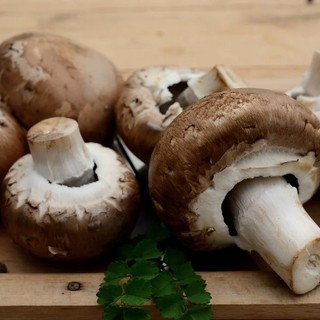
{"x":268,"y":43}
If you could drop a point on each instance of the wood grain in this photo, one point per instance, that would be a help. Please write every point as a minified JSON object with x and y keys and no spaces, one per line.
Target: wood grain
{"x":268,"y":43}
{"x":133,"y":34}
{"x":235,"y":295}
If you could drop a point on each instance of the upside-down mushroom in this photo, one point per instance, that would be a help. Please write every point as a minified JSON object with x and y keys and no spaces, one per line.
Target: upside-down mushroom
{"x":44,"y":75}
{"x":152,"y":98}
{"x":235,"y":168}
{"x":68,"y":200}
{"x":309,"y":92}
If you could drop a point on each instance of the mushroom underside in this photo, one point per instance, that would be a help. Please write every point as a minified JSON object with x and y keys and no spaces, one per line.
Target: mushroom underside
{"x":59,"y":222}
{"x":230,"y":140}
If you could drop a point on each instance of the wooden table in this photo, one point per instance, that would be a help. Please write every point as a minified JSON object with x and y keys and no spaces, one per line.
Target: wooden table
{"x":268,"y":43}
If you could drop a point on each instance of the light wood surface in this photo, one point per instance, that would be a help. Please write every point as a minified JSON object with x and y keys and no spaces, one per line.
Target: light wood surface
{"x":269,"y":43}
{"x":236,"y":295}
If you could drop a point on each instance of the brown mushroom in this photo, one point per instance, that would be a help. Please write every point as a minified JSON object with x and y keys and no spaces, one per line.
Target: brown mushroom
{"x":154,"y":96}
{"x":235,"y":168}
{"x":44,"y":75}
{"x":68,"y":200}
{"x":13,"y":142}
{"x":308,"y":93}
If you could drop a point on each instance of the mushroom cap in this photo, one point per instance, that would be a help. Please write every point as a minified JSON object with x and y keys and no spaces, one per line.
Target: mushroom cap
{"x":310,"y":102}
{"x":44,"y":75}
{"x":146,"y":106}
{"x":13,"y":142}
{"x":218,"y":142}
{"x":58,"y":222}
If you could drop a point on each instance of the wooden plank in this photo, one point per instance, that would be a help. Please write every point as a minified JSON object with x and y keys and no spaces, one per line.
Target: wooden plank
{"x":236,"y":295}
{"x":143,"y":5}
{"x":249,"y":33}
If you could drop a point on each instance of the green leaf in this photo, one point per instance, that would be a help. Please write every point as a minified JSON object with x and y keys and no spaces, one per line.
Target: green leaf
{"x":146,"y":270}
{"x":158,"y":233}
{"x":117,"y":312}
{"x":198,"y":313}
{"x":174,"y":257}
{"x":116,"y":270}
{"x":196,"y":292}
{"x":185,"y":274}
{"x":136,"y":314}
{"x":108,"y":293}
{"x":124,"y":252}
{"x":146,"y":249}
{"x":171,"y":306}
{"x":163,"y":285}
{"x":138,"y":276}
{"x":112,"y":313}
{"x":137,"y":292}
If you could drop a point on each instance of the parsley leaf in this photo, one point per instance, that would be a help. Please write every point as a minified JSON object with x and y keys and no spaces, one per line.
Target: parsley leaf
{"x":146,"y":249}
{"x":174,"y":257}
{"x":158,"y":233}
{"x":163,"y":285}
{"x":116,"y":271}
{"x":136,"y":314}
{"x":185,"y":273}
{"x":152,"y":267}
{"x":137,"y":292}
{"x":196,"y":293}
{"x":112,"y":312}
{"x":198,"y":313}
{"x":108,"y":293}
{"x":146,"y":270}
{"x":171,"y":306}
{"x":117,"y":312}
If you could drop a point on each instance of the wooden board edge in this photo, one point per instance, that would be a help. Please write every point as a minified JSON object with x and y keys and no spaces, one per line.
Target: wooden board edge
{"x":235,"y":295}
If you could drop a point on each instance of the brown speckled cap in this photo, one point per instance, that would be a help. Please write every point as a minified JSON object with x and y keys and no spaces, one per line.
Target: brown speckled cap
{"x":13,"y":142}
{"x":44,"y":75}
{"x":146,"y":105}
{"x":221,"y":140}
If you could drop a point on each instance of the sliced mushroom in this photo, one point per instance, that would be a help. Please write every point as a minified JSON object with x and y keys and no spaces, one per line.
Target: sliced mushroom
{"x":235,"y":168}
{"x":13,"y":142}
{"x":153,"y":97}
{"x":44,"y":75}
{"x":68,"y":200}
{"x":309,"y":92}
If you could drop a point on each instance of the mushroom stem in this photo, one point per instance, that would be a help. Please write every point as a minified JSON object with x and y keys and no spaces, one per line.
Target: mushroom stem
{"x":217,"y":79}
{"x":59,"y":152}
{"x":269,"y":219}
{"x":311,"y":78}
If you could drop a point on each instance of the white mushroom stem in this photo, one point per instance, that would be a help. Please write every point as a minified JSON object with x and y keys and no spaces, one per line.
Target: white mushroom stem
{"x":217,"y":79}
{"x":269,"y":219}
{"x":59,"y":152}
{"x":311,"y":78}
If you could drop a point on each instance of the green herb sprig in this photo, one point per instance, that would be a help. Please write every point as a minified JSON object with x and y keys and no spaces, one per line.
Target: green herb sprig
{"x":151,"y":268}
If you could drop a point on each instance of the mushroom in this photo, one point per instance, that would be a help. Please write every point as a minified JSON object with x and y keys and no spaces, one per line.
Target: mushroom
{"x":235,"y":168}
{"x":13,"y":142}
{"x":68,"y":200}
{"x":44,"y":75}
{"x":154,"y":96}
{"x":309,"y":92}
